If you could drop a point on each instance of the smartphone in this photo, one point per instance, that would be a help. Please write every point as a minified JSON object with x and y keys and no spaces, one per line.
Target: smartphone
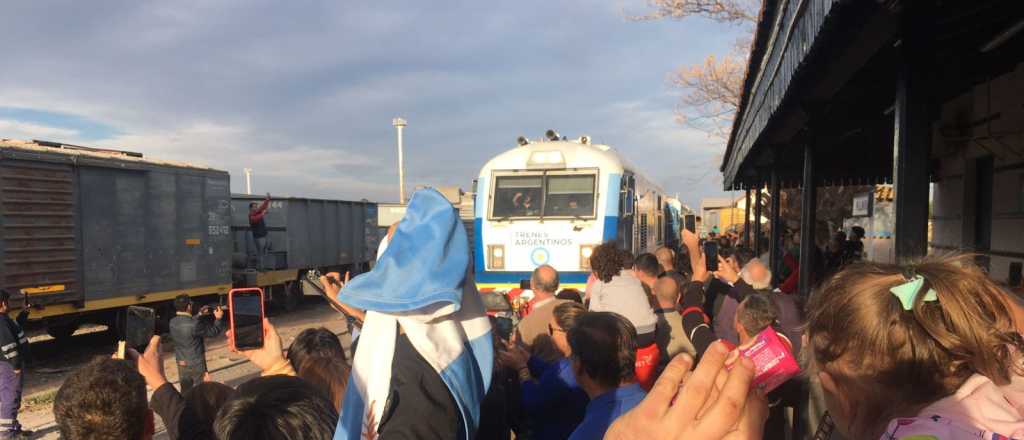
{"x":711,"y":255}
{"x":245,"y":307}
{"x":690,"y":222}
{"x":139,"y":326}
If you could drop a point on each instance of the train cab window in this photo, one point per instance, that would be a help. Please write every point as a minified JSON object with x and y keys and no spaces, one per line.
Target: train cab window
{"x":569,"y":196}
{"x":517,"y":196}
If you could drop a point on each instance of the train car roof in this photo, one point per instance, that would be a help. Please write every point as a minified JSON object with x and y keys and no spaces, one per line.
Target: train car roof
{"x":575,"y":153}
{"x":13,"y":146}
{"x":260,"y":197}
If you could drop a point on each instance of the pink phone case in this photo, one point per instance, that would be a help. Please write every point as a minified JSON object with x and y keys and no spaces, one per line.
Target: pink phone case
{"x":774,"y":362}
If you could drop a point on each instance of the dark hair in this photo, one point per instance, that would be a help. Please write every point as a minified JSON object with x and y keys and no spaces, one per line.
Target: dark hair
{"x":683,"y":261}
{"x":276,"y":408}
{"x":326,"y":373}
{"x":202,"y":403}
{"x":648,"y":264}
{"x":743,"y":255}
{"x":626,"y":259}
{"x":181,"y":302}
{"x":604,"y":345}
{"x":725,"y":251}
{"x":606,"y":261}
{"x":858,"y":231}
{"x":568,"y":314}
{"x":4,"y":295}
{"x":315,"y":342}
{"x":542,"y":283}
{"x":252,"y":205}
{"x":756,"y":313}
{"x":570,"y":295}
{"x":104,"y":399}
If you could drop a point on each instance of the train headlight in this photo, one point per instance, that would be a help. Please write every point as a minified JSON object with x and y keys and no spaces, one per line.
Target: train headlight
{"x":585,"y":252}
{"x":496,"y":256}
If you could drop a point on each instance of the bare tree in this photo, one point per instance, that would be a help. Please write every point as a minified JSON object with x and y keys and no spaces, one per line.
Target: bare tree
{"x":712,"y":89}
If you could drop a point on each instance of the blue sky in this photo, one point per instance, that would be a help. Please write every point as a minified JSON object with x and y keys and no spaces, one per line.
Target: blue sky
{"x":304,"y":92}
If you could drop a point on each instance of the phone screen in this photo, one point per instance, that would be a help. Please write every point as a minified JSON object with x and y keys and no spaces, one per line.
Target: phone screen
{"x":140,"y":323}
{"x":247,"y":320}
{"x":711,"y":255}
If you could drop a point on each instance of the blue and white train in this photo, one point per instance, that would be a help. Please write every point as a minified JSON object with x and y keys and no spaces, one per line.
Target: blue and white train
{"x":552,"y":201}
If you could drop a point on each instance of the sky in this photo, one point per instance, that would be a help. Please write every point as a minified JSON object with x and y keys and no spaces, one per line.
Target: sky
{"x":304,"y":92}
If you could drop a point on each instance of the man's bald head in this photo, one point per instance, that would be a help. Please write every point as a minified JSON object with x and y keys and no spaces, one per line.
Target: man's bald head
{"x":757,"y":275}
{"x":544,"y":280}
{"x":666,"y":258}
{"x":667,"y":292}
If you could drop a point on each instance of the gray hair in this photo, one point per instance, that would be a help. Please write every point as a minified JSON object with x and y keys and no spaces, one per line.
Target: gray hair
{"x":543,"y":283}
{"x":761,"y":284}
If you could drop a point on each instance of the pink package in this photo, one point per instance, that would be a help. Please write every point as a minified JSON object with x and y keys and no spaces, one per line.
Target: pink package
{"x":773,"y":359}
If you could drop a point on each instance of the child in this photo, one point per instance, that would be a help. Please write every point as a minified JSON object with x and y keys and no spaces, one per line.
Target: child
{"x":926,"y":350}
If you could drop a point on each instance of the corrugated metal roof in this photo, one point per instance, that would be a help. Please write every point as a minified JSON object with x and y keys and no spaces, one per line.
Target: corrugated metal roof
{"x":97,"y":153}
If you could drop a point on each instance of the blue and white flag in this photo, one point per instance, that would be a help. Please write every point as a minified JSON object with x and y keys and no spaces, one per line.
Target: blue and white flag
{"x":423,"y":283}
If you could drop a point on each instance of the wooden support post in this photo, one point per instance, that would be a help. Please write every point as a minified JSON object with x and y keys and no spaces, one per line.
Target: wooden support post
{"x":757,"y":223}
{"x":808,"y":221}
{"x":775,"y":241}
{"x":913,"y":135}
{"x":746,"y":219}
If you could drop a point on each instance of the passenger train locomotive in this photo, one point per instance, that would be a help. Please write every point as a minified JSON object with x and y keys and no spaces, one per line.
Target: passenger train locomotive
{"x":551,"y":201}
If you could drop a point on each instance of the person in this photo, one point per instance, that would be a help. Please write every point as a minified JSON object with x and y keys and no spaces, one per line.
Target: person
{"x":202,"y":403}
{"x":552,"y":400}
{"x":854,"y":249}
{"x":326,"y":373}
{"x":15,"y":350}
{"x":671,"y":337}
{"x":925,"y":350}
{"x":603,"y":348}
{"x":104,"y":399}
{"x":755,"y":278}
{"x":501,"y":411}
{"x":431,"y":351}
{"x":188,"y":333}
{"x":680,"y":405}
{"x":315,"y":342}
{"x":276,"y":407}
{"x":646,"y":268}
{"x":618,"y":290}
{"x":532,"y":330}
{"x":666,"y":258}
{"x":835,"y":253}
{"x":573,"y":295}
{"x":258,"y":226}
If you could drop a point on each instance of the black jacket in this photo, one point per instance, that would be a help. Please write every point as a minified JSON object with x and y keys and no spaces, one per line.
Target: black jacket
{"x":13,"y":342}
{"x":188,"y":333}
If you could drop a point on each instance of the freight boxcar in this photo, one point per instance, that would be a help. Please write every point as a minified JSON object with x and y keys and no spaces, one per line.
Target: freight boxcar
{"x":304,"y":234}
{"x":85,"y":232}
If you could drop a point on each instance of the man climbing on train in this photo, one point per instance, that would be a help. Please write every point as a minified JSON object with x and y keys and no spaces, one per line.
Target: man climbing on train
{"x":14,"y":345}
{"x":259,"y":228}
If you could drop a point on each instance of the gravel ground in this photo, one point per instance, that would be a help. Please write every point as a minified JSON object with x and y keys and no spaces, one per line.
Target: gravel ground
{"x":52,"y":362}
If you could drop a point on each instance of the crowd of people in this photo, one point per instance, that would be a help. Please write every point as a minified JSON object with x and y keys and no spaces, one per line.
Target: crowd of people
{"x":653,"y":348}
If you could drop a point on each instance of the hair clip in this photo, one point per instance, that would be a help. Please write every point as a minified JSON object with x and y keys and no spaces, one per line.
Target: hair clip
{"x":908,"y":291}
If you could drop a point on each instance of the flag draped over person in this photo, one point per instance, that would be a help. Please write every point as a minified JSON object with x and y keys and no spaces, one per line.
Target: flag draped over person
{"x":422,"y":287}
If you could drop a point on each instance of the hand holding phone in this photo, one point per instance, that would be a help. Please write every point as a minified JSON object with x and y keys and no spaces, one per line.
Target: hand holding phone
{"x":139,"y":328}
{"x":246,"y":318}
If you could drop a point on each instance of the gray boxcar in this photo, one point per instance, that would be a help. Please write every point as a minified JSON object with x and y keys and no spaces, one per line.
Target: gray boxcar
{"x":308,"y":233}
{"x":85,"y":230}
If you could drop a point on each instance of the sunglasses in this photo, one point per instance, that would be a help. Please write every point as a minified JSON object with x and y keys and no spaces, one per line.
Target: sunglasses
{"x":552,"y":330}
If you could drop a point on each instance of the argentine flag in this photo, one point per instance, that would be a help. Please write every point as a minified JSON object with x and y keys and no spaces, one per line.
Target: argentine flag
{"x":423,"y":283}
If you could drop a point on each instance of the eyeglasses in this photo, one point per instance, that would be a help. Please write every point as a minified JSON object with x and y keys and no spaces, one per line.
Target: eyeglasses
{"x":552,"y":330}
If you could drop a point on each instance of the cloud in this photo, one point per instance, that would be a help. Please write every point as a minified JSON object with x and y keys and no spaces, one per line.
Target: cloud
{"x":304,"y":93}
{"x":10,"y":129}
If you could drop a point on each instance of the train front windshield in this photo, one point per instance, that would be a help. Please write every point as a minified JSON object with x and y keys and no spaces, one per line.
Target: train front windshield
{"x":551,"y":195}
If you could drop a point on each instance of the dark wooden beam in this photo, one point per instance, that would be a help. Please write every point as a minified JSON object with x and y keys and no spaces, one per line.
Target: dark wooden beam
{"x":757,"y":224}
{"x":808,"y":221}
{"x":913,"y":133}
{"x":746,"y":219}
{"x":774,"y":242}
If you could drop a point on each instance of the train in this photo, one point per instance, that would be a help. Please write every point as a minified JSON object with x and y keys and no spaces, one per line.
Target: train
{"x":87,"y":232}
{"x":552,"y":200}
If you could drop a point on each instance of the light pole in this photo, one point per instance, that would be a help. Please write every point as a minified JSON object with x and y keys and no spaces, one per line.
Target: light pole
{"x":399,"y":125}
{"x":248,"y":180}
